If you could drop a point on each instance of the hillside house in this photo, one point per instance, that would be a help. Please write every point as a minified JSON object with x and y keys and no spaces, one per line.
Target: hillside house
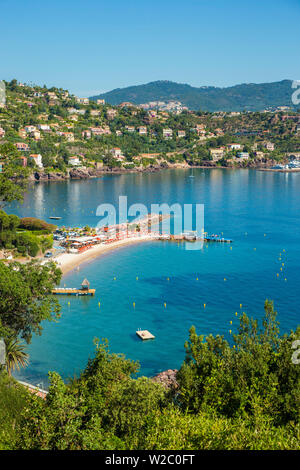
{"x":242,"y":155}
{"x":167,"y":133}
{"x":82,"y":100}
{"x":86,"y":134}
{"x":44,"y":127}
{"x":111,"y":114}
{"x":116,"y":152}
{"x":217,"y":153}
{"x":22,"y":147}
{"x":36,"y":135}
{"x":234,"y":146}
{"x":37,"y":158}
{"x":142,"y":130}
{"x":130,"y":128}
{"x":74,"y":161}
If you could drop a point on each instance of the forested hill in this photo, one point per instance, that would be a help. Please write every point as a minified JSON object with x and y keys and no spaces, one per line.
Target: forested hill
{"x":249,"y":96}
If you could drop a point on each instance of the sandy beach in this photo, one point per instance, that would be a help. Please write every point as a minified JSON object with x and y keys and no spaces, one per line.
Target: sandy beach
{"x":69,"y":261}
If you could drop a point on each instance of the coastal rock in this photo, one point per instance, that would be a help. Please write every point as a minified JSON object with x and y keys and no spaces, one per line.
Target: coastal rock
{"x":80,"y":173}
{"x":167,"y":378}
{"x":46,"y":176}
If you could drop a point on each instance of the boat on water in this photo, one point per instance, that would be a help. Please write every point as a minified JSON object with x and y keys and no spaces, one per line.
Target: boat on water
{"x":55,"y":218}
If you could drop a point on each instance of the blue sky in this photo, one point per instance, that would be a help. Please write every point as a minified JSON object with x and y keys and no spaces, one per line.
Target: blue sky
{"x":91,"y":46}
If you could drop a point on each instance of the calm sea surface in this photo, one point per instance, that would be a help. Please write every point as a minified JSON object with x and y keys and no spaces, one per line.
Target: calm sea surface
{"x":259,"y":210}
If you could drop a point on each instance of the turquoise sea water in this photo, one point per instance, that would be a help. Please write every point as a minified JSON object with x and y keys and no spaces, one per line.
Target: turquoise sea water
{"x":258,"y":210}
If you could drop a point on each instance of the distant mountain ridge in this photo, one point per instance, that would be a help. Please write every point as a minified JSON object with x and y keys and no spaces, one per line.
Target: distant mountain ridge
{"x":247,"y":96}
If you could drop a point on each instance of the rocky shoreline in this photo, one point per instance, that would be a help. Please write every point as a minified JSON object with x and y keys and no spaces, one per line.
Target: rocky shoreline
{"x":167,"y":378}
{"x":89,"y":172}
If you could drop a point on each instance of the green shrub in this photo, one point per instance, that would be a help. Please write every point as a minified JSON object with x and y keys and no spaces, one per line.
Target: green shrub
{"x":31,"y":223}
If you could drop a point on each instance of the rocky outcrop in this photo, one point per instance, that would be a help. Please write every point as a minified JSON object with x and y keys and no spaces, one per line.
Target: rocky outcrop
{"x":167,"y":378}
{"x":88,"y":172}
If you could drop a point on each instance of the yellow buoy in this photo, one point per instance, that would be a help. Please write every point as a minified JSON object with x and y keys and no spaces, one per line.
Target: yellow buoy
{"x":133,"y":304}
{"x":285,"y":279}
{"x":224,"y":278}
{"x":168,"y":278}
{"x":282,"y":264}
{"x":231,"y":247}
{"x":277,"y":274}
{"x":204,"y":305}
{"x":230,"y":331}
{"x":165,"y":305}
{"x":197,"y":279}
{"x":230,"y":322}
{"x":283,"y":251}
{"x":236,"y":314}
{"x":241,"y":305}
{"x":115,"y":278}
{"x":99,"y":304}
{"x":254,"y":249}
{"x":280,"y":269}
{"x":137,"y":278}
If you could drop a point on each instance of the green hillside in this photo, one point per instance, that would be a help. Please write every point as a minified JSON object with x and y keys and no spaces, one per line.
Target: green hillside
{"x":250,"y":96}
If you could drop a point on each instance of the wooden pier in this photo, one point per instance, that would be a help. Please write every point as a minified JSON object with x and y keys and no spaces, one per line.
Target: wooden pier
{"x":73,"y":291}
{"x":184,"y":238}
{"x":84,"y":290}
{"x":144,"y":334}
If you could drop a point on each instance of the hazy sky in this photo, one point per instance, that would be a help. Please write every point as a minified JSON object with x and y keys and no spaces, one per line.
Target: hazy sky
{"x":91,"y":46}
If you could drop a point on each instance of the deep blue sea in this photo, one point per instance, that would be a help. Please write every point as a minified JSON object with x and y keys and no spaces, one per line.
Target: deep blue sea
{"x":169,"y":285}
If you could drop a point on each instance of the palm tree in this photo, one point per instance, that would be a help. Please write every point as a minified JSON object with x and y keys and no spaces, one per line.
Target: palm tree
{"x":16,"y":356}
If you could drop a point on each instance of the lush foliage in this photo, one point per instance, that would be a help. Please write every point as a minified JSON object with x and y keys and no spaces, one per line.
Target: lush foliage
{"x":15,"y":234}
{"x":13,"y":398}
{"x":243,"y":395}
{"x":32,"y":223}
{"x":25,"y":299}
{"x":16,"y":357}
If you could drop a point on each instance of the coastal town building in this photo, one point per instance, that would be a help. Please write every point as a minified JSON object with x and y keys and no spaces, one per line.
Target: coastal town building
{"x":111,"y":113}
{"x":95,"y":112}
{"x":130,"y":128}
{"x":22,"y":146}
{"x":2,"y":132}
{"x":30,"y":129}
{"x":86,"y":134}
{"x":74,"y":161}
{"x":167,"y":133}
{"x":242,"y":155}
{"x":82,"y":100}
{"x":269,"y":146}
{"x":116,"y":152}
{"x":37,"y":158}
{"x":22,"y":133}
{"x":101,"y":102}
{"x":142,"y":130}
{"x":104,"y":130}
{"x":44,"y":127}
{"x":217,"y":153}
{"x":23,"y":161}
{"x":36,"y":135}
{"x":234,"y":146}
{"x":69,"y":136}
{"x":181,"y":134}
